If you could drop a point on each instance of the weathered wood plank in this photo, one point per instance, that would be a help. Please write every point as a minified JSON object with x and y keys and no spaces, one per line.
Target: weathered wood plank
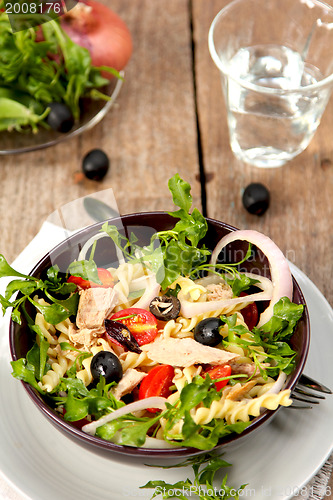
{"x":300,"y":218}
{"x":149,"y":135}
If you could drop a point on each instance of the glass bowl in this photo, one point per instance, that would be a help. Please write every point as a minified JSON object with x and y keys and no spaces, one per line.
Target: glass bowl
{"x":93,"y":111}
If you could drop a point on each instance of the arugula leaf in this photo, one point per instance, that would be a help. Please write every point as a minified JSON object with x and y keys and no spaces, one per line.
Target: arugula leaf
{"x":272,"y":337}
{"x":181,"y":193}
{"x":25,"y":287}
{"x":86,"y":269}
{"x":177,"y":253}
{"x":239,"y":283}
{"x":204,"y":468}
{"x":76,"y":408}
{"x":7,"y":271}
{"x":135,"y":434}
{"x":22,"y":370}
{"x":80,"y":401}
{"x":53,"y":274}
{"x":37,"y":356}
{"x":70,"y":304}
{"x":28,"y":286}
{"x":286,"y":314}
{"x":53,"y":314}
{"x":193,"y":226}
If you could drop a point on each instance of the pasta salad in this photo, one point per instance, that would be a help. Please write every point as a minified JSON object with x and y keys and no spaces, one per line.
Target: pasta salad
{"x":171,"y":346}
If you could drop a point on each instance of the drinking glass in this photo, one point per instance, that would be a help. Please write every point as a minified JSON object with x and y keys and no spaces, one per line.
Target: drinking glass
{"x":276,"y":63}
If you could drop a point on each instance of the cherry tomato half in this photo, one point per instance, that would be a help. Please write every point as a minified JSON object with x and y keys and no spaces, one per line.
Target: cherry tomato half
{"x":104,"y":276}
{"x":218,"y":372}
{"x":141,"y":323}
{"x":250,"y":313}
{"x":157,"y":383}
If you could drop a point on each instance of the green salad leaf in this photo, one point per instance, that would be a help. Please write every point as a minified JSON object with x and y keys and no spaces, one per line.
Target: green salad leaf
{"x":41,"y":65}
{"x":272,"y":336}
{"x":205,"y":468}
{"x":286,"y":314}
{"x":86,"y":269}
{"x":28,"y":286}
{"x":171,"y":253}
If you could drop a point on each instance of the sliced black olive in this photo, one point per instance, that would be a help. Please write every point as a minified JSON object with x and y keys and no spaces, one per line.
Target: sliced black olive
{"x":60,"y":117}
{"x":107,"y":364}
{"x":95,"y":164}
{"x":165,"y":307}
{"x":207,"y":331}
{"x":256,"y":198}
{"x":119,"y":332}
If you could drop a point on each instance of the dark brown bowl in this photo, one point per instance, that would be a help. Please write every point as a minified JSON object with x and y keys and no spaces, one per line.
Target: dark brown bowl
{"x":144,"y":225}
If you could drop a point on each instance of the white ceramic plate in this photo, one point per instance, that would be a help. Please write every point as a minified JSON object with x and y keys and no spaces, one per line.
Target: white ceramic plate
{"x":40,"y":462}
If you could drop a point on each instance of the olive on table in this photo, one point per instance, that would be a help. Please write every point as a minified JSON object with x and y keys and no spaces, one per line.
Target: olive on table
{"x":207,"y":331}
{"x":165,"y":307}
{"x":95,"y":165}
{"x":256,"y":198}
{"x":107,"y":364}
{"x":60,"y":117}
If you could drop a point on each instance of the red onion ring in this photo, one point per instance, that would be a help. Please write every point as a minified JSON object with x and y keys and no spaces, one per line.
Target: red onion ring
{"x":279,"y":268}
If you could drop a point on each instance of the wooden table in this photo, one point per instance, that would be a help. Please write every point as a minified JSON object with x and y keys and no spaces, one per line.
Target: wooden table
{"x":170,"y":117}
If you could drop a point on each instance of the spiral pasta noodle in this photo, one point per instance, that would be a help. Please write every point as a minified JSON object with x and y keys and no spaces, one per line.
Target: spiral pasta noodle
{"x":239,"y":400}
{"x":52,"y":378}
{"x":235,"y":411}
{"x":134,"y":360}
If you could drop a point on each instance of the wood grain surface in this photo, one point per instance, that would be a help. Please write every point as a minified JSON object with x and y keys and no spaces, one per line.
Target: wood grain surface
{"x":300,"y":218}
{"x":170,"y":117}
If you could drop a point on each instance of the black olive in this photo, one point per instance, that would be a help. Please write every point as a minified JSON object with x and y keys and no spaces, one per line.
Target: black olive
{"x":95,"y":164}
{"x":107,"y":364}
{"x":165,"y":307}
{"x":121,"y":333}
{"x":256,"y":198}
{"x":207,"y":331}
{"x":60,"y":117}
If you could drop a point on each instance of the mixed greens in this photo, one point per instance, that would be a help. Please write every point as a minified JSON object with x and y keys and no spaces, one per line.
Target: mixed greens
{"x":76,"y":401}
{"x":39,"y":66}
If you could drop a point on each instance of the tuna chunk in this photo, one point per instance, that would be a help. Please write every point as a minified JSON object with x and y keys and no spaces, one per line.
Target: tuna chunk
{"x":85,"y":337}
{"x":238,"y":391}
{"x":218,"y":292}
{"x":185,"y":352}
{"x":131,"y":379}
{"x":246,"y":368}
{"x":95,"y":305}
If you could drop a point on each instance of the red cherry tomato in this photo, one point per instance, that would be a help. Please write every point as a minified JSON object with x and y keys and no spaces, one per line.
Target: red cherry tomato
{"x":141,"y":323}
{"x":250,"y":313}
{"x":104,"y":275}
{"x":157,"y":383}
{"x":219,"y":372}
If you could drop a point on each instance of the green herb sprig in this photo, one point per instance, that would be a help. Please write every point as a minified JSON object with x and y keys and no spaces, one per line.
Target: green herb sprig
{"x":204,"y":467}
{"x":52,"y":287}
{"x":174,"y":252}
{"x":272,"y":337}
